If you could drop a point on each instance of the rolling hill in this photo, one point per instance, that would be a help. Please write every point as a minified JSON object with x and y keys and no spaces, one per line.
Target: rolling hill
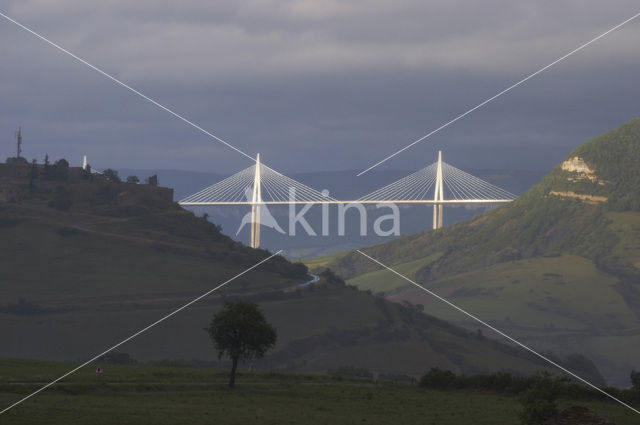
{"x":559,"y":267}
{"x":85,"y":263}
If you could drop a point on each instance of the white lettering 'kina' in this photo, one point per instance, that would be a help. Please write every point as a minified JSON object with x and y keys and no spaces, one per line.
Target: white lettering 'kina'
{"x":266,"y":219}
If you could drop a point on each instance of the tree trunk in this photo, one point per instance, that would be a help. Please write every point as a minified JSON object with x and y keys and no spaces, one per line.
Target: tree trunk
{"x":232,"y":378}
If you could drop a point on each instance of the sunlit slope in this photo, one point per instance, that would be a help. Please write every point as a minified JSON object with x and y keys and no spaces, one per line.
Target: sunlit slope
{"x":559,"y":266}
{"x":579,"y":212}
{"x":564,"y":294}
{"x":378,"y":281}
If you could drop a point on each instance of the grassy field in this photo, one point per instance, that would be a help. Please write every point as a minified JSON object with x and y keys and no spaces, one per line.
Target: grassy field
{"x":556,"y":303}
{"x":562,"y":304}
{"x":537,"y":293}
{"x":321,"y":261}
{"x":165,"y":395}
{"x":379,"y":280}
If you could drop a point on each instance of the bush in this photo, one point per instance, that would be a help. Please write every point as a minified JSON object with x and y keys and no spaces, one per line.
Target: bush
{"x":539,"y":403}
{"x":111,"y":175}
{"x":61,"y":169}
{"x":438,"y":379}
{"x":331,"y":277}
{"x":297,"y":270}
{"x":635,"y":380}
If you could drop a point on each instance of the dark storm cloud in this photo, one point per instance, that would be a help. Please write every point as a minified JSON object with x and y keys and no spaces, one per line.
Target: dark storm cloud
{"x":314,"y":84}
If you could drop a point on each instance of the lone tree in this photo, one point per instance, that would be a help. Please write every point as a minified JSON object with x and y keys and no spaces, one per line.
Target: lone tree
{"x":241,"y":331}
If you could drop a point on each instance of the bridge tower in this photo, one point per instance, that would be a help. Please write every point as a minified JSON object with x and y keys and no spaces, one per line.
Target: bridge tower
{"x":256,"y":200}
{"x":438,"y":195}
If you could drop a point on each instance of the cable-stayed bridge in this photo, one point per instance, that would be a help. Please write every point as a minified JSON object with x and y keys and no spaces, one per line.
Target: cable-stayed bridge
{"x":438,"y":184}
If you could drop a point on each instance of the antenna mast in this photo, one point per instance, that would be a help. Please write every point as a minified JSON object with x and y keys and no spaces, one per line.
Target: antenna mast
{"x":19,"y":139}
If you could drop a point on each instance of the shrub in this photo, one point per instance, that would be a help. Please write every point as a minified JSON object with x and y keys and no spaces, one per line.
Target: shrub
{"x":635,"y":380}
{"x":61,"y":169}
{"x":539,"y":402}
{"x":297,"y":270}
{"x":111,"y":175}
{"x":331,"y":277}
{"x":438,"y":379}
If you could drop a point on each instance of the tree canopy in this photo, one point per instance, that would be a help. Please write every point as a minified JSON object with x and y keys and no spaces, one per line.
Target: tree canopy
{"x":111,"y":175}
{"x":240,"y":331}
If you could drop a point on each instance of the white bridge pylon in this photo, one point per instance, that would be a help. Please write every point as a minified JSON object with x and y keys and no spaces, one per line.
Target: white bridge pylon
{"x":438,"y":184}
{"x":257,"y":185}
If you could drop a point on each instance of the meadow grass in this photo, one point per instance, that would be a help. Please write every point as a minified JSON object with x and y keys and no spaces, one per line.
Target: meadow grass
{"x":383,"y":281}
{"x":174,"y":395}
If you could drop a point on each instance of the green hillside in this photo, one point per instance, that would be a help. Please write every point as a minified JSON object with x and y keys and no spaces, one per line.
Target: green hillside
{"x":559,"y":266}
{"x":86,"y":263}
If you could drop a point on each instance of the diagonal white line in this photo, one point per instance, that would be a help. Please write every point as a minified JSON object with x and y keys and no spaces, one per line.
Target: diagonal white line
{"x":138,"y":333}
{"x":114,"y":79}
{"x":499,"y":332}
{"x":499,"y":94}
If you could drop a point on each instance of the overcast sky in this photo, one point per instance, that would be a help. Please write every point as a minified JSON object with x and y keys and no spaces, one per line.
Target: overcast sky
{"x":315,"y":85}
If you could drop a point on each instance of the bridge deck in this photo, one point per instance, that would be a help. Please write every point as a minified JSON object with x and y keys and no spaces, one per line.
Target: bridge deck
{"x":368,"y":201}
